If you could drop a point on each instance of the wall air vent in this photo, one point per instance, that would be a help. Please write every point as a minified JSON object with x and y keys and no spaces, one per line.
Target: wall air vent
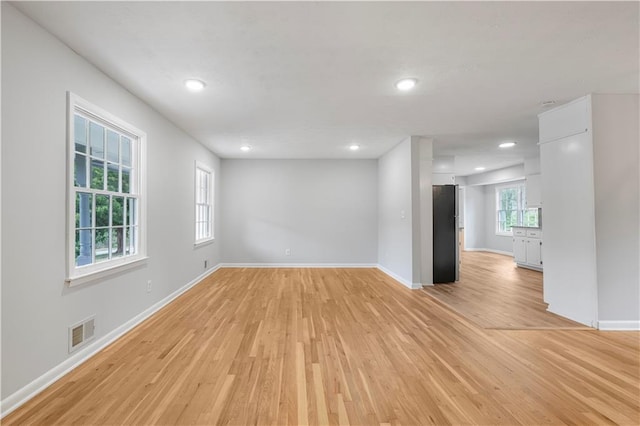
{"x":81,"y":333}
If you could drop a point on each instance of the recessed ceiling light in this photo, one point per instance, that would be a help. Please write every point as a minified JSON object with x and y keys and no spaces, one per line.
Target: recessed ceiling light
{"x":507,"y":144}
{"x":480,"y":168}
{"x":354,"y":147}
{"x":406,"y":84}
{"x":547,"y":104}
{"x":245,"y":148}
{"x":194,"y":85}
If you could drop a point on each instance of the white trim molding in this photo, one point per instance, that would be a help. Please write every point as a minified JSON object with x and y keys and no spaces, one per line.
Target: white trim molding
{"x":15,"y":400}
{"x":298,"y":265}
{"x":506,"y":253}
{"x":406,"y":283}
{"x":619,"y":325}
{"x":76,"y":275}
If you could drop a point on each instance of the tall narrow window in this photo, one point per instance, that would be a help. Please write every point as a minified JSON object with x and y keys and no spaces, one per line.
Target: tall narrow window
{"x":105,"y":187}
{"x":203,"y":204}
{"x":511,"y":209}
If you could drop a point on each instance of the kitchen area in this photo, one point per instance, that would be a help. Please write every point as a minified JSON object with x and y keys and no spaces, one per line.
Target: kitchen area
{"x":527,"y":238}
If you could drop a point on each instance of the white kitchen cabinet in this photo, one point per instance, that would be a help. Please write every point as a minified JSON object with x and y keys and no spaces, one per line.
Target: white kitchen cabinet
{"x":534,"y":252}
{"x":520,"y":250}
{"x":527,"y":247}
{"x":534,"y":191}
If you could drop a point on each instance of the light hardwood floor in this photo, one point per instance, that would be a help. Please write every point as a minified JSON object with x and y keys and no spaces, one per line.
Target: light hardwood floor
{"x":340,"y":346}
{"x":494,"y":293}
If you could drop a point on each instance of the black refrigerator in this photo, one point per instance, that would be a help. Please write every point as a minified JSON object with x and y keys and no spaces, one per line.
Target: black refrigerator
{"x":445,"y":234}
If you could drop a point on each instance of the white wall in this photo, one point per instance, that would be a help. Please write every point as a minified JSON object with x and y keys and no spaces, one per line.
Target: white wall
{"x":506,"y":174}
{"x":395,"y":245}
{"x":422,"y":183}
{"x":37,"y":307}
{"x":480,"y":219}
{"x":461,"y":207}
{"x":474,"y":213}
{"x":405,"y":212}
{"x":324,"y":211}
{"x":615,"y":135}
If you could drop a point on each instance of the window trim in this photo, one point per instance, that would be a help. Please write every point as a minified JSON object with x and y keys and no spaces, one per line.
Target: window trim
{"x":522,"y":210}
{"x":205,"y":167}
{"x":521,"y":207}
{"x":74,"y":275}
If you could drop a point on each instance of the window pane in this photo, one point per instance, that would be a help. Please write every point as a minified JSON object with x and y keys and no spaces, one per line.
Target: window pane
{"x":127,"y":242}
{"x":113,"y":146}
{"x":205,"y":188}
{"x":117,"y":211}
{"x":132,"y":212}
{"x":131,"y":240}
{"x":102,"y":210}
{"x":126,"y":151}
{"x":84,"y":218}
{"x":80,"y":171}
{"x":531,"y":217}
{"x":96,"y":133}
{"x":102,"y":244}
{"x":97,"y":174}
{"x":117,"y":242}
{"x":83,"y":247}
{"x":113,"y":178}
{"x":126,"y":179}
{"x":80,"y":133}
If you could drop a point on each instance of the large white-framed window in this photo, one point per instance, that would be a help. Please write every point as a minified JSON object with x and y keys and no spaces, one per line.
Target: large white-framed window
{"x":511,"y":209}
{"x":106,"y":203}
{"x":204,"y":196}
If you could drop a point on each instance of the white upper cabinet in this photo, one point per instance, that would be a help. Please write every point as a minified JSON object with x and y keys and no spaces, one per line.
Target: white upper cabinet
{"x":534,"y":191}
{"x":566,"y":120}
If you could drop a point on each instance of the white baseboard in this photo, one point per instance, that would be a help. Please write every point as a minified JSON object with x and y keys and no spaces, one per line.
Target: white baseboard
{"x":406,"y":283}
{"x":619,"y":325}
{"x":506,"y":253}
{"x":588,"y":323}
{"x":24,"y":394}
{"x":298,"y":265}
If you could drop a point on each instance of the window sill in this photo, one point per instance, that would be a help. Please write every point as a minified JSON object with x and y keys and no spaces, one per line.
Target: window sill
{"x":203,"y":243}
{"x":77,"y":280}
{"x":504,"y":234}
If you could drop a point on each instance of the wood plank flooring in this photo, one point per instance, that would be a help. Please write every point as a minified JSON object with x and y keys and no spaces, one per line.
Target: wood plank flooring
{"x":339,"y":347}
{"x":494,"y":293}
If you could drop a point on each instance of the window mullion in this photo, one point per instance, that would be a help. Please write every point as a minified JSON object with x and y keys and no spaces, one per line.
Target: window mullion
{"x":93,"y":229}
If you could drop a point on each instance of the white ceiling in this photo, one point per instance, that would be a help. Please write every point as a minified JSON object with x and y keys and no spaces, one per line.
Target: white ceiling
{"x":305,"y":80}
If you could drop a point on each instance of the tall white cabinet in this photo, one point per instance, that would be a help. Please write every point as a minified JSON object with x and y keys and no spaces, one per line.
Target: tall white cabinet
{"x":582,"y":208}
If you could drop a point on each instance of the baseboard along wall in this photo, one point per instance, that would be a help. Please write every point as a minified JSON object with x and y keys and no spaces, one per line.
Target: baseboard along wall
{"x":15,"y":400}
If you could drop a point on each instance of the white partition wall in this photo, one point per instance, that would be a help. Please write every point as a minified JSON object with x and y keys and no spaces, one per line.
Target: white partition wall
{"x":589,"y":170}
{"x":570,"y":279}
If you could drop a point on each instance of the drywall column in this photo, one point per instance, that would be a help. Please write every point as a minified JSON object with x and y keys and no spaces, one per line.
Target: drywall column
{"x":615,"y":148}
{"x":423,"y":152}
{"x":566,"y":159}
{"x":395,"y":244}
{"x":589,"y":162}
{"x":405,"y":224}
